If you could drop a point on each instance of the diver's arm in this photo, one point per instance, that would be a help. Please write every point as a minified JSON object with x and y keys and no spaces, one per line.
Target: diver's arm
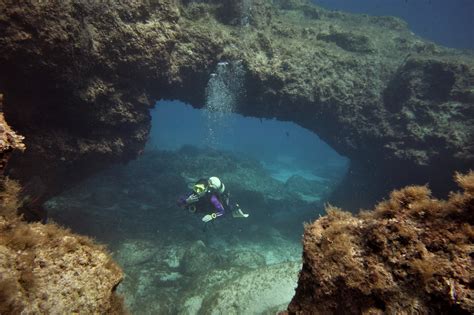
{"x":217,"y":205}
{"x":219,"y":210}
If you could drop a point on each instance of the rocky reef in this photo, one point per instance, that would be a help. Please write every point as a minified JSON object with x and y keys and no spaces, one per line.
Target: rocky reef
{"x":80,"y":77}
{"x":411,"y":254}
{"x":46,"y":269}
{"x":9,"y":140}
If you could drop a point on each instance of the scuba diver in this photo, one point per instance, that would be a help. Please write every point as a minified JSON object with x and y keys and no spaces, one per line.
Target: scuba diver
{"x":210,"y":194}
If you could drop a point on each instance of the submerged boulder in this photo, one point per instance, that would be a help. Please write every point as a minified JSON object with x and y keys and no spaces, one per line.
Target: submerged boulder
{"x":412,"y":254}
{"x":45,"y":269}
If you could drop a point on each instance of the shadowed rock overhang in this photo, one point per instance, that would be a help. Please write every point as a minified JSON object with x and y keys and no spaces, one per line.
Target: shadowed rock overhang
{"x":79,"y":78}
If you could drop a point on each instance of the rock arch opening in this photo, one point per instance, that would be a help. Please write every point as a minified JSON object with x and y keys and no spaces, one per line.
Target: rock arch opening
{"x":279,"y":146}
{"x":279,"y":173}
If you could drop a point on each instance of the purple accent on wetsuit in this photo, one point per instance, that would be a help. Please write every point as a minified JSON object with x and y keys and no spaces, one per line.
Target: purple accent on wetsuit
{"x":218,"y":205}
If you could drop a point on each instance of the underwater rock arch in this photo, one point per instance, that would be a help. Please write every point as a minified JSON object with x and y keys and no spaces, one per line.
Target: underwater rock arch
{"x":80,"y":77}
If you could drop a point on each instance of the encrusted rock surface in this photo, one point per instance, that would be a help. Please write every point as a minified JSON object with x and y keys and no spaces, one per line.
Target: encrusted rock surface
{"x":261,"y":291}
{"x":9,"y":139}
{"x":45,"y":269}
{"x":412,"y":254}
{"x":80,"y":77}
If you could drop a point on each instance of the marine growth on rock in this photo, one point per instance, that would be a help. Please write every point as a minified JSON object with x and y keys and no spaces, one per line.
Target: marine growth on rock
{"x":412,"y":254}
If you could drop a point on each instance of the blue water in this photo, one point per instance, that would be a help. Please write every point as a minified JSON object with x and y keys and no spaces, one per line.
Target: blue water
{"x":283,"y":147}
{"x":447,"y":22}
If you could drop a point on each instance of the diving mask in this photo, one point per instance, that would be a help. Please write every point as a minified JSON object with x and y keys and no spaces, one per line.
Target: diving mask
{"x":199,"y":189}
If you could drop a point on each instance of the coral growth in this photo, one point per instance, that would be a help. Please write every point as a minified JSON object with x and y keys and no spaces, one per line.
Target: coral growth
{"x":412,"y":254}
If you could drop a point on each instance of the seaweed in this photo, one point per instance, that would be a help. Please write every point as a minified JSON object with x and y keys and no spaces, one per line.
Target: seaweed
{"x":8,"y":297}
{"x":466,"y":182}
{"x":43,"y":253}
{"x":412,"y":253}
{"x":9,"y":197}
{"x":21,"y":238}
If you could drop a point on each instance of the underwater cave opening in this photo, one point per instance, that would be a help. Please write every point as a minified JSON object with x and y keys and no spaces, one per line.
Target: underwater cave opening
{"x":283,"y":148}
{"x":279,"y":173}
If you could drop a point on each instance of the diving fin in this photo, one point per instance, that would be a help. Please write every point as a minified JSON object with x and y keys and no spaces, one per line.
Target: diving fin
{"x":239,"y":214}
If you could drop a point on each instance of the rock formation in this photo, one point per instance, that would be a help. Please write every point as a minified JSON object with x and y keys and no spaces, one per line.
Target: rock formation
{"x":45,"y":269}
{"x":9,"y":189}
{"x":80,"y":77}
{"x":9,"y":140}
{"x":412,"y":254}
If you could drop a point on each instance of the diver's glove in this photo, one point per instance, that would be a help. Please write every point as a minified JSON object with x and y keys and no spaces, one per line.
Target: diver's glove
{"x":192,"y":199}
{"x":209,"y":217}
